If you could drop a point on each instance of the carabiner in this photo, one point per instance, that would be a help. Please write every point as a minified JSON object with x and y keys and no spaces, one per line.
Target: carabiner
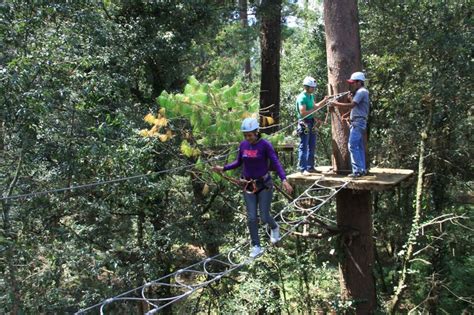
{"x":252,"y":189}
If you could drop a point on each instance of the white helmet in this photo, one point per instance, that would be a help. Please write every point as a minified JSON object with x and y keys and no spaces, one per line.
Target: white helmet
{"x":309,"y":81}
{"x":356,"y":76}
{"x":249,"y":124}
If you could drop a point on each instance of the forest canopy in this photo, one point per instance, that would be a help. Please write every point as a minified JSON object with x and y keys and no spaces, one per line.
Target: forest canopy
{"x":92,"y":93}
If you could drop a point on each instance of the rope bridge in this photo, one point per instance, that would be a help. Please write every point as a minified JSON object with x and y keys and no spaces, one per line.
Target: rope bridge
{"x":211,"y":269}
{"x":133,"y":177}
{"x":184,"y":282}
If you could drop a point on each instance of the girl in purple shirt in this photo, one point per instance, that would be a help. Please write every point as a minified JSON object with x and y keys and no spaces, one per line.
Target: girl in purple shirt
{"x":255,"y":155}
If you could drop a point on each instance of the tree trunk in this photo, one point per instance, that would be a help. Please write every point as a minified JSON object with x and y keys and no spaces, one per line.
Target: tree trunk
{"x":270,"y":42}
{"x":244,"y":22}
{"x":356,"y":276}
{"x":9,"y":234}
{"x":353,"y":208}
{"x":343,"y":58}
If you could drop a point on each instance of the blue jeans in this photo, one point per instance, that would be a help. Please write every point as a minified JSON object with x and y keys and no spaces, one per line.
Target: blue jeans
{"x":307,"y":146}
{"x":262,"y":200}
{"x":356,"y":146}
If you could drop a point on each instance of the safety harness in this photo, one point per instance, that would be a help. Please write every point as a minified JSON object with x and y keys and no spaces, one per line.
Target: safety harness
{"x":250,"y":186}
{"x":304,"y":128}
{"x":255,"y":186}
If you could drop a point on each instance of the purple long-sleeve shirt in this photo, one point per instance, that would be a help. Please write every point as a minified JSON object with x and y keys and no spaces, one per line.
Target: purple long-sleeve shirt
{"x":255,"y":158}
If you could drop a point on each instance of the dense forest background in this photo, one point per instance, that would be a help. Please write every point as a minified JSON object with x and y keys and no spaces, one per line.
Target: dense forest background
{"x":77,"y":80}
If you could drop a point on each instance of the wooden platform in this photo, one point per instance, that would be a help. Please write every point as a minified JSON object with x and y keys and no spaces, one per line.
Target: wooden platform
{"x":377,"y":179}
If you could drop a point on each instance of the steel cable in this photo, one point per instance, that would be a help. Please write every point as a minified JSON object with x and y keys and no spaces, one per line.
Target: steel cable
{"x":188,"y":280}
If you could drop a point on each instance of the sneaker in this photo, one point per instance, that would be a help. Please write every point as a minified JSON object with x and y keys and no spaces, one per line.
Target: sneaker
{"x":313,"y":170}
{"x":355,"y":175}
{"x":256,"y":251}
{"x":305,"y":173}
{"x":275,"y":235}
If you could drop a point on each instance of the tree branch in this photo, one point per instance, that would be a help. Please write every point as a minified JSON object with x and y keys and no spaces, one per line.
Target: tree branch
{"x":15,"y":177}
{"x":443,"y":218}
{"x":410,"y":244}
{"x":428,"y":246}
{"x":464,"y":299}
{"x":314,"y":235}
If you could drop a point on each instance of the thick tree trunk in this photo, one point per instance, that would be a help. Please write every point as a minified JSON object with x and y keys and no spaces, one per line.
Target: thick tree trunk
{"x":243,"y":7}
{"x":353,"y":208}
{"x":343,"y":58}
{"x":356,"y":268}
{"x":270,"y":43}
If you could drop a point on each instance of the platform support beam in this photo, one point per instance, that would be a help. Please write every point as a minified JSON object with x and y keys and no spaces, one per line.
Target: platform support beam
{"x":353,"y":207}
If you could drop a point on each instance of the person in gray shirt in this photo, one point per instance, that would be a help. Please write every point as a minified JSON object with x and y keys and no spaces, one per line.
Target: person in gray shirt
{"x":359,"y":105}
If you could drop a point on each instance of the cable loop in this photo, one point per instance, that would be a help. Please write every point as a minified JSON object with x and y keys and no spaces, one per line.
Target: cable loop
{"x":316,"y":196}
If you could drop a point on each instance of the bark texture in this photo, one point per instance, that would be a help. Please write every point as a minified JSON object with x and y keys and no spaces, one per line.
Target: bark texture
{"x":354,"y":212}
{"x":343,"y":58}
{"x":270,"y":43}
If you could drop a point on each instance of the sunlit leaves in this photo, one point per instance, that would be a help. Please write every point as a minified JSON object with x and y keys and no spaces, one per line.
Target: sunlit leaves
{"x":189,"y":151}
{"x":214,"y":111}
{"x":158,"y":122}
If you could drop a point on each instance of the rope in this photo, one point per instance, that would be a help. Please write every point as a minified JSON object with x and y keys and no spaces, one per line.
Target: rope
{"x":326,"y":103}
{"x":116,"y":180}
{"x":121,"y":179}
{"x":227,"y":261}
{"x":238,"y":183}
{"x":188,"y":280}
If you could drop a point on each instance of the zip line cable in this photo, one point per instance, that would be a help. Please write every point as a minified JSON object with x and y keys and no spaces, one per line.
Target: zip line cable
{"x":188,"y":280}
{"x":121,"y":179}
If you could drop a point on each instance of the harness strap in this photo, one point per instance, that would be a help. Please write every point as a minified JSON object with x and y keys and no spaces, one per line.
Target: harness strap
{"x":251,"y":186}
{"x":305,"y":128}
{"x":238,"y":183}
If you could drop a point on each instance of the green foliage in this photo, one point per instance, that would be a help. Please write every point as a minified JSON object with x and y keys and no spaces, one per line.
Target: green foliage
{"x":304,"y":54}
{"x":76,"y":81}
{"x":223,"y":56}
{"x":214,"y":111}
{"x":411,"y":74}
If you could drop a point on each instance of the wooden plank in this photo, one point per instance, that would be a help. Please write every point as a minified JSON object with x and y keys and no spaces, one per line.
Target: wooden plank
{"x":285,"y":147}
{"x":377,"y":179}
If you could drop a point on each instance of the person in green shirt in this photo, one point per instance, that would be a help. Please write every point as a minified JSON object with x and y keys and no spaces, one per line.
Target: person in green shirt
{"x":307,"y":128}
